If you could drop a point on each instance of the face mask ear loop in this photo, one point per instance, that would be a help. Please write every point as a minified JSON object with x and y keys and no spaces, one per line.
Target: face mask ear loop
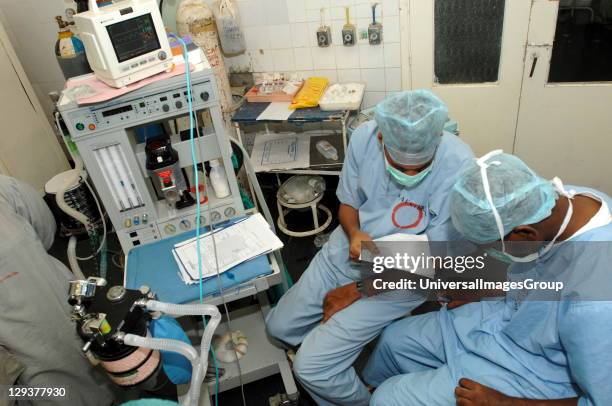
{"x":558,"y":184}
{"x":570,"y":209}
{"x":384,"y":151}
{"x":487,"y":190}
{"x":548,"y":247}
{"x":386,"y":162}
{"x":566,"y":220}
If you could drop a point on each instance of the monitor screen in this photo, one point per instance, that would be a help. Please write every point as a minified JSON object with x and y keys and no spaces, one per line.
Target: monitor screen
{"x":134,"y":37}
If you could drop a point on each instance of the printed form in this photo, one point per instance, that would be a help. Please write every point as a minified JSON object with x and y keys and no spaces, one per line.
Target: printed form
{"x":235,"y":244}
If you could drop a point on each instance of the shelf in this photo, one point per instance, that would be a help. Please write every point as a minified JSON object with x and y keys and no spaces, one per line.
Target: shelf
{"x":313,"y":171}
{"x":261,"y":360}
{"x":248,"y":113}
{"x":318,"y":164}
{"x":249,"y":288}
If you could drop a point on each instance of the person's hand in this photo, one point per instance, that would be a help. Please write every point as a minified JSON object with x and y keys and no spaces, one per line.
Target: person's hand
{"x":457,"y":303}
{"x":357,"y":240}
{"x":338,"y":299}
{"x":470,"y":393}
{"x":444,"y":298}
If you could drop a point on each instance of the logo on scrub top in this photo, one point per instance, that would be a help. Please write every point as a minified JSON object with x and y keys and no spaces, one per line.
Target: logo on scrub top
{"x":404,"y":211}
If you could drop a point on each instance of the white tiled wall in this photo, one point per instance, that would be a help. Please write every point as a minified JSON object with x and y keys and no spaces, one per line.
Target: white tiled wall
{"x":280,"y":36}
{"x":283,"y":38}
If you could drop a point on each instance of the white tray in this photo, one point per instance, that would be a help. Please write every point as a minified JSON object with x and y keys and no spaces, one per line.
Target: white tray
{"x":342,"y":96}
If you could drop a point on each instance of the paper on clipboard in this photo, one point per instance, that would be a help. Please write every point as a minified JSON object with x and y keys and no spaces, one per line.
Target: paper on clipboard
{"x":232,"y":245}
{"x":280,"y":151}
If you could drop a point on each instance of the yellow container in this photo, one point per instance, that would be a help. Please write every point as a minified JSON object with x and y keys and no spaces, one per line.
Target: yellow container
{"x":310,"y":93}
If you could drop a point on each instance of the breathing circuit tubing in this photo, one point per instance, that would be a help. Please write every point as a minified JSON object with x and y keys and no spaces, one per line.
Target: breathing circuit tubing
{"x":199,"y":362}
{"x":80,"y":217}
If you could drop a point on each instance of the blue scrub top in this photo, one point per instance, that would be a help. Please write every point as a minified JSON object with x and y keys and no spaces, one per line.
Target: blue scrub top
{"x":386,"y":207}
{"x":557,"y":349}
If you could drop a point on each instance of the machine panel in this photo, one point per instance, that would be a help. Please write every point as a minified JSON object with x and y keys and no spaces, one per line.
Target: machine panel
{"x":141,"y":183}
{"x":96,"y":119}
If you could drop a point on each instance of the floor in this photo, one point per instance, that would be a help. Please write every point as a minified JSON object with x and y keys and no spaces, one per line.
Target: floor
{"x":297,"y":253}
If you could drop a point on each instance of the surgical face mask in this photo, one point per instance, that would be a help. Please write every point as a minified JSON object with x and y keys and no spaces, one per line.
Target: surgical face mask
{"x":403,"y":179}
{"x":503,"y":255}
{"x":499,"y":255}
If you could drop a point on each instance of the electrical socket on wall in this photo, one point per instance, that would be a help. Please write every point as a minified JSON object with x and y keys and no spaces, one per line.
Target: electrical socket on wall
{"x":375,"y":32}
{"x":349,"y":33}
{"x":375,"y":28}
{"x":349,"y":36}
{"x":324,"y":36}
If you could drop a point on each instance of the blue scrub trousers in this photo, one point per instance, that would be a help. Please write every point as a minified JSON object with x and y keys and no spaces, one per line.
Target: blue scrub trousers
{"x":411,"y":364}
{"x":323,"y":364}
{"x":408,"y":366}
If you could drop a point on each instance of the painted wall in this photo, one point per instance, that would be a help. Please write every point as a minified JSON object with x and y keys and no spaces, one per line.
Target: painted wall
{"x":32,"y":29}
{"x":280,"y":37}
{"x":29,"y":149}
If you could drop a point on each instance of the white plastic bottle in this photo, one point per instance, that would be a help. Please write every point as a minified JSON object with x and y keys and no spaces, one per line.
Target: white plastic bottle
{"x":218,"y":179}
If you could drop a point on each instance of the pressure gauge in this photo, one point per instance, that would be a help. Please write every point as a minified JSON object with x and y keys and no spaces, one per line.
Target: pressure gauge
{"x":215,"y":216}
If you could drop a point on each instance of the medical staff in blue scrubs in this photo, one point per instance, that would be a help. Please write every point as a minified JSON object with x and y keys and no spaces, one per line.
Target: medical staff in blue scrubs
{"x":515,"y":350}
{"x":397,"y":176}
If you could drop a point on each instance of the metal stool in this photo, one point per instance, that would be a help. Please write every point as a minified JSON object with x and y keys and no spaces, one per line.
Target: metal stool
{"x":301,"y":192}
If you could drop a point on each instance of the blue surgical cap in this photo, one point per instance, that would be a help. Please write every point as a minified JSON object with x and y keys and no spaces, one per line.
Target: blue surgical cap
{"x":518,"y":194}
{"x":411,"y":124}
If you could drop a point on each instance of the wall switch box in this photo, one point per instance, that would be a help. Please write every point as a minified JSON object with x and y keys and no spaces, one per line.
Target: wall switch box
{"x":349,"y":35}
{"x":324,"y":36}
{"x":375,"y":32}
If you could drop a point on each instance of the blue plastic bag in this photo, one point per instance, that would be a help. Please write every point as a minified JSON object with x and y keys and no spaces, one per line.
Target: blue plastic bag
{"x":176,"y":366}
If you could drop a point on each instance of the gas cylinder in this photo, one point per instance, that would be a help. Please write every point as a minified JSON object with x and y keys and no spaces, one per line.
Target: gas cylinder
{"x":69,"y":51}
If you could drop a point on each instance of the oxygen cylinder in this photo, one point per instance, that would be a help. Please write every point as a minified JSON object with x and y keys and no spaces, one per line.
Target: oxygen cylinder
{"x":195,"y":18}
{"x":69,"y":51}
{"x":100,"y":312}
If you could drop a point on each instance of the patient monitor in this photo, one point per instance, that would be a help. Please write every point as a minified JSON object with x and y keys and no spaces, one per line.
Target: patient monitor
{"x":125,"y":41}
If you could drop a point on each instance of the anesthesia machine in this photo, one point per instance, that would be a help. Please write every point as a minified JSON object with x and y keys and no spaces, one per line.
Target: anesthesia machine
{"x":141,"y":174}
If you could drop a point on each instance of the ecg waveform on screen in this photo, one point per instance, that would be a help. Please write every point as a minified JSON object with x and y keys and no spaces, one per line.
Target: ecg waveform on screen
{"x":134,"y":37}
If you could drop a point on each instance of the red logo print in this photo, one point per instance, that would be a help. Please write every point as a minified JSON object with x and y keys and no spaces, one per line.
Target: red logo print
{"x":403,"y":206}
